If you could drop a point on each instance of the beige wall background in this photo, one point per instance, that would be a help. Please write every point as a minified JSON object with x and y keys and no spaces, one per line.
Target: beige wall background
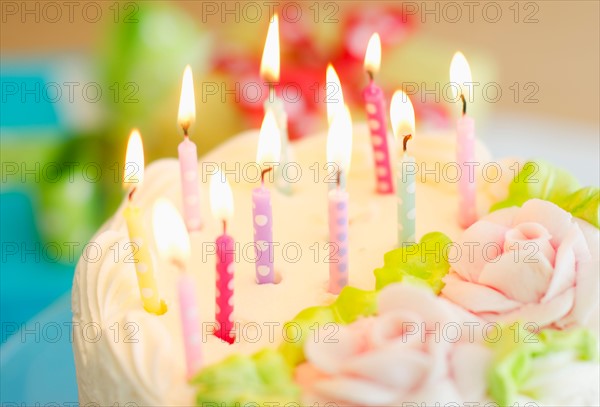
{"x":558,"y":48}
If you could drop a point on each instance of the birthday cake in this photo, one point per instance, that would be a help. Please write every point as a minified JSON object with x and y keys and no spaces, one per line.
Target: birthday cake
{"x":382,"y":341}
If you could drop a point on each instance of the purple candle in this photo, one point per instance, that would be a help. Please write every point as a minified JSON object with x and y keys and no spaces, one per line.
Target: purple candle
{"x":262,"y":219}
{"x":268,"y":154}
{"x":188,"y":156}
{"x":376,"y":111}
{"x":338,"y":240}
{"x":339,"y":148}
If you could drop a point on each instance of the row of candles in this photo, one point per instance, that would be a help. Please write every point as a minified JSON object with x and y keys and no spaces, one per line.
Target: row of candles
{"x":171,"y":230}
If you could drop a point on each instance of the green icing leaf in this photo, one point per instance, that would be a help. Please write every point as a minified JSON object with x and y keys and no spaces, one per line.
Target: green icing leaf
{"x":538,"y":179}
{"x":350,"y":304}
{"x":517,"y":349}
{"x":353,"y":303}
{"x":267,"y":375}
{"x":584,"y":204}
{"x":261,"y":378}
{"x":541,"y":180}
{"x":424,"y":263}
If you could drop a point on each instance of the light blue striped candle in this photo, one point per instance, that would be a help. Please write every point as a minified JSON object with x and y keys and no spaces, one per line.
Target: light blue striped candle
{"x":405,"y":188}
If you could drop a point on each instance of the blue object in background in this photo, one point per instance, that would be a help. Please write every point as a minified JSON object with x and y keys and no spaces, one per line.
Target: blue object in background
{"x":37,"y":366}
{"x":29,"y":282}
{"x":28,"y":99}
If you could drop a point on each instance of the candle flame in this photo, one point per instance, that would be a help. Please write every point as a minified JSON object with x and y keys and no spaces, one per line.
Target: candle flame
{"x":187,"y":102}
{"x":134,"y":160}
{"x":402,"y":114}
{"x":339,"y":140}
{"x":170,"y":235}
{"x":269,"y":140}
{"x":221,"y":197}
{"x":460,"y":73}
{"x":373,"y":54}
{"x":335,"y":96}
{"x":269,"y":65}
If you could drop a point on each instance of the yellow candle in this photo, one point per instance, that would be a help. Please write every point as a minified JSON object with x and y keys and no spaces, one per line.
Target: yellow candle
{"x":133,"y":175}
{"x":142,"y":259}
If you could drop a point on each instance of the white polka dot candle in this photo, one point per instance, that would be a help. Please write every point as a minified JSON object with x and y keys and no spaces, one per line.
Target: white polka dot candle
{"x":269,"y":71}
{"x":339,"y":149}
{"x":188,"y":156}
{"x":221,"y":202}
{"x":376,"y":111}
{"x":403,"y":123}
{"x":173,"y":244}
{"x":268,"y":154}
{"x":460,"y":77}
{"x":133,"y":177}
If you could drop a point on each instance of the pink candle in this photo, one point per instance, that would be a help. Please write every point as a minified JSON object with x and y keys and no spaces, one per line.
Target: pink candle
{"x":375,"y":106}
{"x":465,"y":153}
{"x":376,"y":111}
{"x":173,"y":245}
{"x":460,"y":78}
{"x":263,"y":234}
{"x":190,"y":322}
{"x":224,"y":292}
{"x":338,"y":240}
{"x":188,"y":157}
{"x":188,"y":163}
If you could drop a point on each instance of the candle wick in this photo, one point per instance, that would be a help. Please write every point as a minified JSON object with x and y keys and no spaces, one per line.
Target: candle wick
{"x":338,"y":178}
{"x":179,"y":265}
{"x":130,"y":196}
{"x":263,"y":173}
{"x":224,"y":227}
{"x":371,"y":76}
{"x":185,"y":127}
{"x":464,"y":102}
{"x":405,"y":141}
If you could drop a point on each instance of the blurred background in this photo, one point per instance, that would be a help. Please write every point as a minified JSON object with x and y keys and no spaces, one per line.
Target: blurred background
{"x":77,"y":76}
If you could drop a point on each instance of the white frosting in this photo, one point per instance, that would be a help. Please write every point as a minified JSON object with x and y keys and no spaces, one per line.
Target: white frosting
{"x":151,"y":371}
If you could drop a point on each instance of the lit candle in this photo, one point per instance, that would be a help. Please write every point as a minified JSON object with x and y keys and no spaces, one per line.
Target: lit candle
{"x":133,"y":177}
{"x":339,"y":149}
{"x":188,"y":156}
{"x":268,"y":154}
{"x":335,"y":103}
{"x":375,"y":107}
{"x":402,"y":115}
{"x":269,"y":71}
{"x":173,"y":244}
{"x":460,"y":74}
{"x":221,"y":202}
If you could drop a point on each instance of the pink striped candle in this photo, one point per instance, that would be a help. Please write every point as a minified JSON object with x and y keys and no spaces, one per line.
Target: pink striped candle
{"x":338,"y":240}
{"x":465,"y":154}
{"x":190,"y":322}
{"x":224,"y":301}
{"x":188,"y":156}
{"x":376,"y":112}
{"x":263,"y":234}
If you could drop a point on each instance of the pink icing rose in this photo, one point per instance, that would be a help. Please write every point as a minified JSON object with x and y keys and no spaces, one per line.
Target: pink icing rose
{"x":535,"y":264}
{"x":419,"y":349}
